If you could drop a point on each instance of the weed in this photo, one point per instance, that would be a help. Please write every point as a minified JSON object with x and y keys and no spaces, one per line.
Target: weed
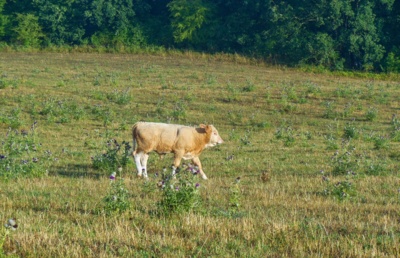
{"x":245,"y":140}
{"x":375,"y":167}
{"x":331,"y":142}
{"x":122,"y":97}
{"x":117,"y":198}
{"x":395,"y":122}
{"x":381,"y":142}
{"x":329,"y":110}
{"x":285,"y":133}
{"x":178,"y":112}
{"x":350,"y":131}
{"x":312,"y":89}
{"x":180,"y":194}
{"x":371,"y":114}
{"x":348,"y":110}
{"x":341,"y":190}
{"x":116,"y":155}
{"x":233,"y":93}
{"x":250,"y":86}
{"x":235,"y":196}
{"x":13,"y":120}
{"x":21,"y":155}
{"x":344,"y":161}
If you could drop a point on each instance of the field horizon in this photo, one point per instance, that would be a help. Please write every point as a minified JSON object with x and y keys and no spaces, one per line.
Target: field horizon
{"x":317,"y":155}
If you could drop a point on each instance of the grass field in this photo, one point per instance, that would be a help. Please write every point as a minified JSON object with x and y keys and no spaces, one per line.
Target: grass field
{"x":317,"y":156}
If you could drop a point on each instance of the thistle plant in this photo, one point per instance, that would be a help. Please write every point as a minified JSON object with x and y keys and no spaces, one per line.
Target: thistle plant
{"x":115,"y":155}
{"x":21,"y":155}
{"x":234,"y":196}
{"x":180,"y":194}
{"x":371,"y":114}
{"x":340,"y":190}
{"x":344,"y":161}
{"x":117,"y":198}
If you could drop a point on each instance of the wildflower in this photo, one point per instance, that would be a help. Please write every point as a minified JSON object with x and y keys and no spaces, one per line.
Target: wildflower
{"x":161,"y":184}
{"x":324,"y":178}
{"x":114,"y":198}
{"x":3,"y":156}
{"x":237,"y":180}
{"x":24,"y":162}
{"x":177,"y":188}
{"x":35,"y":160}
{"x":120,"y":169}
{"x":197,"y":185}
{"x":112,"y":177}
{"x":11,"y":224}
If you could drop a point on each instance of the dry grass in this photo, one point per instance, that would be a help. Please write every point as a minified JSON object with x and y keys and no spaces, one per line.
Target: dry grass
{"x":283,"y":212}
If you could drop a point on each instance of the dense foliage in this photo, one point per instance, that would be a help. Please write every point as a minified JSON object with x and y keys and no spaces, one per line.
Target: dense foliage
{"x":338,"y":34}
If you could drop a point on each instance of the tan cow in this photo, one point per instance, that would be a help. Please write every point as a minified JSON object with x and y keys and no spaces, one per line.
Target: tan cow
{"x":183,"y":141}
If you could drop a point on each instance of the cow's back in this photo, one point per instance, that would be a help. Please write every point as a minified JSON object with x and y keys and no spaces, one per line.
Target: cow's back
{"x":157,"y":137}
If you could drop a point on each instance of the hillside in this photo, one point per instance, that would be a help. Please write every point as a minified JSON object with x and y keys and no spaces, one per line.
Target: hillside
{"x":317,"y":156}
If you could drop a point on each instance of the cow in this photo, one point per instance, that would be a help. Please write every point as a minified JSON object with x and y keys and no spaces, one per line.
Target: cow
{"x":183,"y":141}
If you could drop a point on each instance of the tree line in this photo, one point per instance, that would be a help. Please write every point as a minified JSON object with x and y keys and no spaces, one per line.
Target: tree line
{"x":336,"y":34}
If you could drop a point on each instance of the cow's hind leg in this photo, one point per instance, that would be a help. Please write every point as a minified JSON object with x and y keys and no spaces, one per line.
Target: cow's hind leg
{"x":138,"y":157}
{"x":143,"y":160}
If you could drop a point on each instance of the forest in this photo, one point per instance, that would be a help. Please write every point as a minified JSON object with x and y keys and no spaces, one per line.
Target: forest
{"x":337,"y":34}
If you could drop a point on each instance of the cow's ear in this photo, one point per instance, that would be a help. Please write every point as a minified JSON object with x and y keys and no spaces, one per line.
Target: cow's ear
{"x":208,"y":128}
{"x":203,"y":126}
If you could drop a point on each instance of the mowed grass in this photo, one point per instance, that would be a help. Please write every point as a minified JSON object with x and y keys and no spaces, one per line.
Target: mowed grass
{"x":282,"y":128}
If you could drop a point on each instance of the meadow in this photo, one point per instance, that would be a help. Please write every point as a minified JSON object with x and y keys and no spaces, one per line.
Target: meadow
{"x":309,"y":166}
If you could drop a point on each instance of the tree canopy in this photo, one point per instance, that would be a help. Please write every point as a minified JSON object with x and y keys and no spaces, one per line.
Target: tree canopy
{"x":337,"y":34}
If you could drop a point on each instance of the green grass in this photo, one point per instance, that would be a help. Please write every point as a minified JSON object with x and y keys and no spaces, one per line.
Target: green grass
{"x":284,"y":123}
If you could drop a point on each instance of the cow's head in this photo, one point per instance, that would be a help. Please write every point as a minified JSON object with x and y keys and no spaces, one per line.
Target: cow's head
{"x":215,"y":138}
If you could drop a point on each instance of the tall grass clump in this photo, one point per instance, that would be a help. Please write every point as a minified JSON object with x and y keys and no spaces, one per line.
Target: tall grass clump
{"x":21,"y":155}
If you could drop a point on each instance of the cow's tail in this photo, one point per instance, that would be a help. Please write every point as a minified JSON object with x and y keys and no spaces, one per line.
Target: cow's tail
{"x":134,"y":141}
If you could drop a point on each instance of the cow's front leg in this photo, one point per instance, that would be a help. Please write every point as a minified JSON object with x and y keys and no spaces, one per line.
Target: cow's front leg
{"x":197,"y":162}
{"x":177,"y":161}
